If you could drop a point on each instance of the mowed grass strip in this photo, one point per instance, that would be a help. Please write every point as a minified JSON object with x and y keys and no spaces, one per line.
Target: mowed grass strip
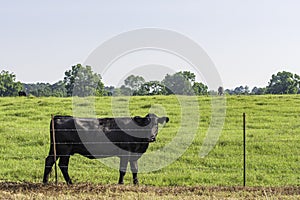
{"x":10,"y":190}
{"x":273,"y":139}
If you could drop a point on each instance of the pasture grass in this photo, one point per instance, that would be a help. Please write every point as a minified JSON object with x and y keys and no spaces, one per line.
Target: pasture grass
{"x":273,"y":139}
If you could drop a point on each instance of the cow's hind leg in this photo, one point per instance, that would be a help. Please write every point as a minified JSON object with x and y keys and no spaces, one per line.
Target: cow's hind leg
{"x":49,"y":162}
{"x":123,"y":168}
{"x":134,"y":170}
{"x":63,"y":165}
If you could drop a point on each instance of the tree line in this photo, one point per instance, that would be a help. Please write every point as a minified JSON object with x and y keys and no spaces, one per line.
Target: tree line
{"x":82,"y":81}
{"x":281,"y":83}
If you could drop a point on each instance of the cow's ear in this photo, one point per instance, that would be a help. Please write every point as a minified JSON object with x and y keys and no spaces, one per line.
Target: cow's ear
{"x":163,"y":120}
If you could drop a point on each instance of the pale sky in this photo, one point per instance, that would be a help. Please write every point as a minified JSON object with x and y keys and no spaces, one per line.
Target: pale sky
{"x":248,"y":40}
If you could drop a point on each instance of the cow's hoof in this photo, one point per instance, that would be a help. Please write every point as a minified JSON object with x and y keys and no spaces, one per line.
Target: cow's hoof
{"x":45,"y":182}
{"x":135,"y":182}
{"x":121,"y":183}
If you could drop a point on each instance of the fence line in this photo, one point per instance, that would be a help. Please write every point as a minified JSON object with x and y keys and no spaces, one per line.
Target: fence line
{"x":214,"y":158}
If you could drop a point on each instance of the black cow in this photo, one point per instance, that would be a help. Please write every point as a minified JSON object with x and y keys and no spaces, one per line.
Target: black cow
{"x":124,"y":137}
{"x":22,"y":94}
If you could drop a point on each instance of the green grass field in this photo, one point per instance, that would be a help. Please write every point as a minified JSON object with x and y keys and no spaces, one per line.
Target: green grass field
{"x":273,"y":140}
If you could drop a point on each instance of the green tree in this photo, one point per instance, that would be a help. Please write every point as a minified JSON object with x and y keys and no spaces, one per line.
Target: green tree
{"x":82,"y":81}
{"x":284,"y":83}
{"x":200,"y":89}
{"x":109,"y":90}
{"x":38,"y":89}
{"x":152,"y":88}
{"x":43,"y":90}
{"x":258,"y":91}
{"x":179,"y":83}
{"x":134,"y":82}
{"x":59,"y":89}
{"x":8,"y":84}
{"x":189,"y":76}
{"x":122,"y":91}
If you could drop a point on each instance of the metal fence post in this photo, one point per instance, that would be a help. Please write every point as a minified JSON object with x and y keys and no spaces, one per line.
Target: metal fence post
{"x":244,"y":145}
{"x":54,"y":147}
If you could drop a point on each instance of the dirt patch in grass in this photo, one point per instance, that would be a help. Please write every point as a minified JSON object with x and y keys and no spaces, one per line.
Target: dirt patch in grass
{"x":12,"y":190}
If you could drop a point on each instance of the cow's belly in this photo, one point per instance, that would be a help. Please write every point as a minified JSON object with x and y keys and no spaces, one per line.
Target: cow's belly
{"x":98,"y":150}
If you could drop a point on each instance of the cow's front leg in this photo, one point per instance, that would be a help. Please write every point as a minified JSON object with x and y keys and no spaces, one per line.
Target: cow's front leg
{"x":123,"y":168}
{"x":134,"y":170}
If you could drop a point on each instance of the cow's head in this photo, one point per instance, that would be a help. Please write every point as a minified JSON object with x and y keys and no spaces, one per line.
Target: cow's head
{"x":151,"y":121}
